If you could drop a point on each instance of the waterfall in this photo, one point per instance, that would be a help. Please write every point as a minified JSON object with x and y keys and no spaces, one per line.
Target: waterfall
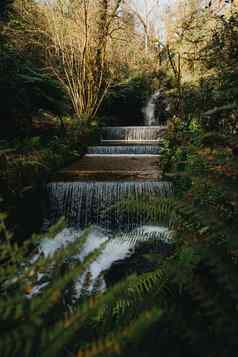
{"x":116,"y":249}
{"x":102,"y":205}
{"x":86,"y":203}
{"x":132,"y":134}
{"x":124,"y":150}
{"x":149,"y":110}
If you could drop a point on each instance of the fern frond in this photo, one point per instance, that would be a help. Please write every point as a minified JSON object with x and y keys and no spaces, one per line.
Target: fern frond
{"x":115,"y":343}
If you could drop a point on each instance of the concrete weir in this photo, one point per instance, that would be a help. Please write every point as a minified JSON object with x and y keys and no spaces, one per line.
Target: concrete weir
{"x":125,"y":153}
{"x":95,"y":192}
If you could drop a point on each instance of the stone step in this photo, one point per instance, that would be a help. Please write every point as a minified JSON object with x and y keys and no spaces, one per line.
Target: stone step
{"x":122,"y":164}
{"x":104,"y":176}
{"x":110,"y":168}
{"x":124,"y":150}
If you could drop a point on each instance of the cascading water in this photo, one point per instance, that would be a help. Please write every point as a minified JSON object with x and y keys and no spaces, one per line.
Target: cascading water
{"x":124,"y":150}
{"x":116,"y":249}
{"x":84,"y":203}
{"x":132,"y":134}
{"x":101,"y":205}
{"x":149,"y":110}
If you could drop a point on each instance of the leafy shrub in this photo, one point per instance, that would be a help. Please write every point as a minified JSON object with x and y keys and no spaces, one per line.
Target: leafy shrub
{"x":25,"y":90}
{"x":124,"y":102}
{"x":46,"y":323}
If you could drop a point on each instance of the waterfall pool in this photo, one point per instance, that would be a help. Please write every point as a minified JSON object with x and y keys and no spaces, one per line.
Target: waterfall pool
{"x":115,"y":248}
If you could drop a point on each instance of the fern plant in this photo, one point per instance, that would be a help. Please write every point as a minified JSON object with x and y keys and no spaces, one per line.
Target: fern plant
{"x":28,"y":306}
{"x":187,"y":301}
{"x":41,"y":318}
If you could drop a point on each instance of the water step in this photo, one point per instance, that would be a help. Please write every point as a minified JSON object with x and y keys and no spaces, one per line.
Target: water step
{"x":109,"y":167}
{"x":122,"y":155}
{"x":89,"y":202}
{"x":132,"y":142}
{"x":124,"y":150}
{"x":133,"y":134}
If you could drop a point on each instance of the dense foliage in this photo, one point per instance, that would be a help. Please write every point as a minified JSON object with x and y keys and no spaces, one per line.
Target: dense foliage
{"x":26,"y":87}
{"x":124,"y":102}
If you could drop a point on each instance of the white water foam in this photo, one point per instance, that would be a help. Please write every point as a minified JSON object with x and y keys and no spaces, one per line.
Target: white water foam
{"x":48,"y":247}
{"x":155,"y":232}
{"x":116,"y":249}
